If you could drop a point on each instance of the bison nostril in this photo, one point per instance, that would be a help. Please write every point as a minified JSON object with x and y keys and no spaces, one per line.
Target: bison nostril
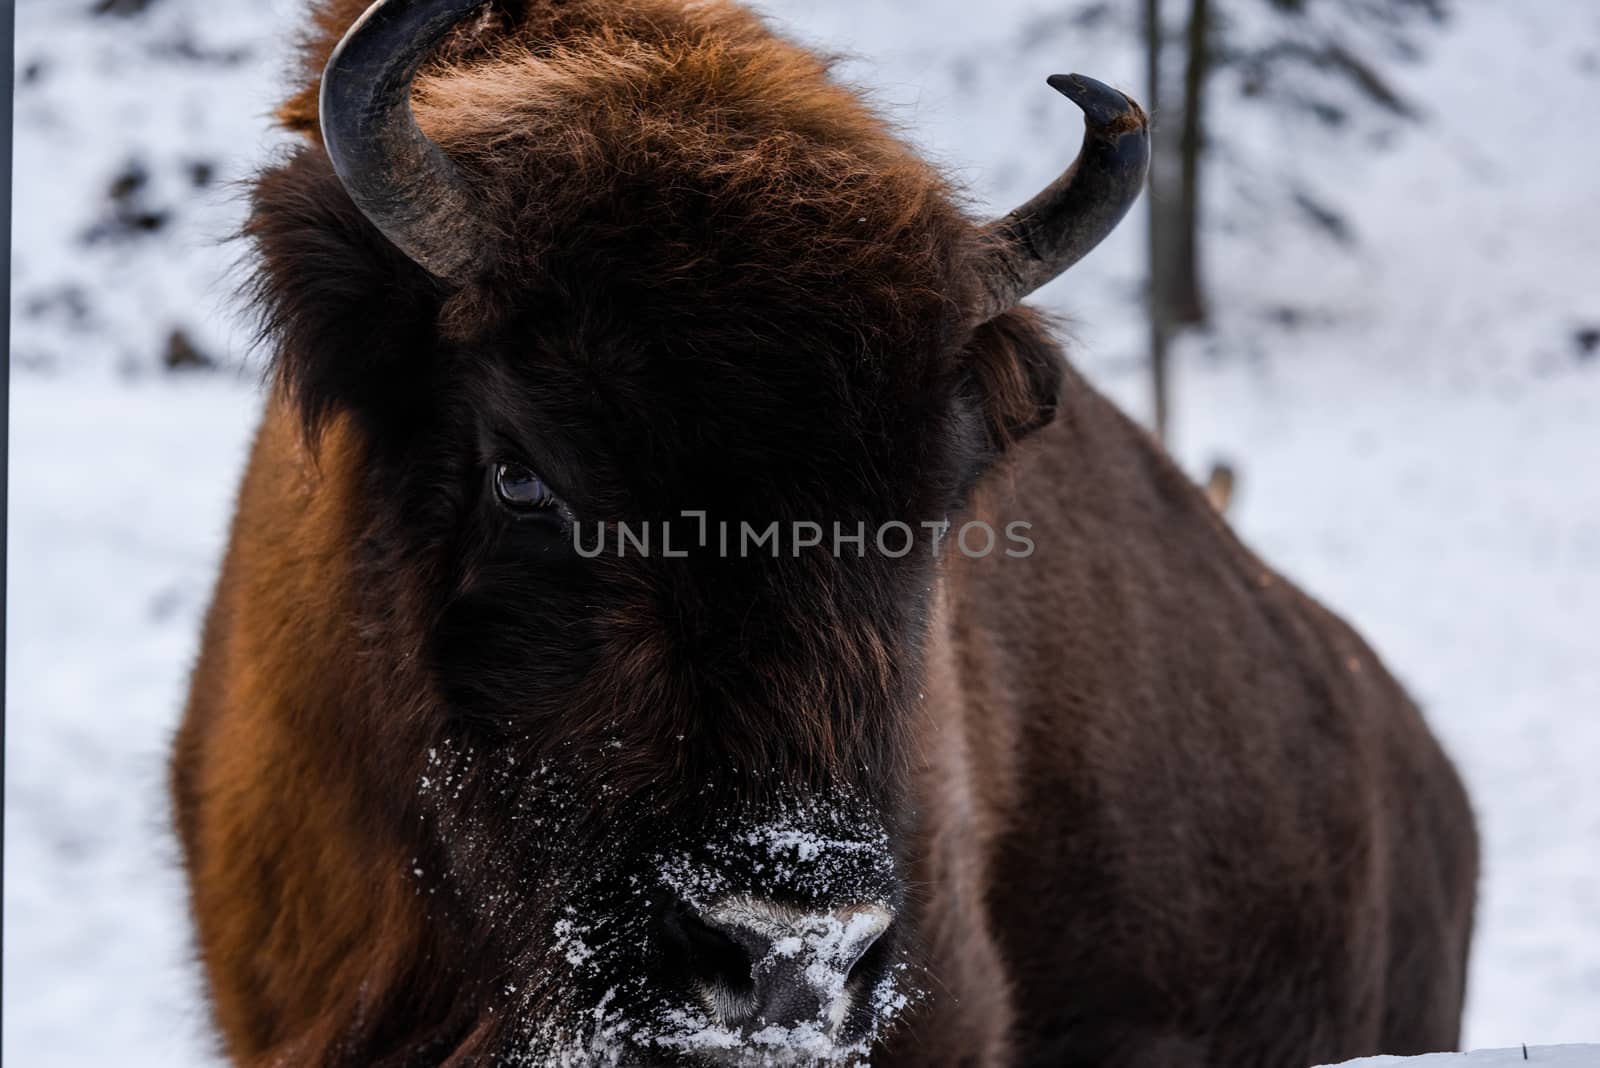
{"x":874,"y":957}
{"x":711,"y":958}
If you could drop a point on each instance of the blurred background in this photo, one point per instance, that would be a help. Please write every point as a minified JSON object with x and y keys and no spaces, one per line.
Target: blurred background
{"x":1377,"y":225}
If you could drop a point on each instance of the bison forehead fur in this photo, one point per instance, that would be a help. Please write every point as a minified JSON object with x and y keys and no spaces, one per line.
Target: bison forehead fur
{"x":770,"y":193}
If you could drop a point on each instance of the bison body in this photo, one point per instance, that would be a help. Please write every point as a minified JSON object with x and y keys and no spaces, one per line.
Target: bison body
{"x":456,"y":788}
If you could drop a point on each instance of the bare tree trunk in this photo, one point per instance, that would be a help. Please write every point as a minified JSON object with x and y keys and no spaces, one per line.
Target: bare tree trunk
{"x":1159,"y":290}
{"x":1188,"y":294}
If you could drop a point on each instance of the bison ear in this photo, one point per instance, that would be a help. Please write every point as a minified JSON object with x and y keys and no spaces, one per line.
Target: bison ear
{"x":351,"y":321}
{"x":1016,"y":369}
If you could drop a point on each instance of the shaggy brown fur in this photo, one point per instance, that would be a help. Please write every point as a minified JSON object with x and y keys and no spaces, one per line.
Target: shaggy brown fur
{"x":562,"y":111}
{"x":1149,"y":804}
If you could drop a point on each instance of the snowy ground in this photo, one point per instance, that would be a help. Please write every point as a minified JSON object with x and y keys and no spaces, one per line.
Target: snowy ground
{"x":1416,"y":422}
{"x":1531,"y":1056}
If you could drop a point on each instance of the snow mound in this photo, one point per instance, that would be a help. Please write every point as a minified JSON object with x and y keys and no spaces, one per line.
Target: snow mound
{"x":1543,"y":1056}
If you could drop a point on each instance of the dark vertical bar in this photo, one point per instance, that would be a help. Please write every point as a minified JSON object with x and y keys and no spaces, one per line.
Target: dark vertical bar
{"x":1189,"y":304}
{"x":1159,"y":288}
{"x":8,"y":67}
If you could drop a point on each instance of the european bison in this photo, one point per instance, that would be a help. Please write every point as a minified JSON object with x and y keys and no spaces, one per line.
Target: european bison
{"x":682,"y":609}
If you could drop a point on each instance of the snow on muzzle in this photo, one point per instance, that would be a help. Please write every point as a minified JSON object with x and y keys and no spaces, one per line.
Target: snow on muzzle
{"x":785,"y":933}
{"x":745,"y":939}
{"x":761,"y":964}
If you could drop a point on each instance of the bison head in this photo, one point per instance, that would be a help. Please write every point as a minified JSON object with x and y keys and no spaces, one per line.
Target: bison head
{"x":645,"y":264}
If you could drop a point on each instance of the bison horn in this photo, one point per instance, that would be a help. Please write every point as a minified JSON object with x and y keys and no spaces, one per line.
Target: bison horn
{"x":1063,"y":224}
{"x":401,"y":181}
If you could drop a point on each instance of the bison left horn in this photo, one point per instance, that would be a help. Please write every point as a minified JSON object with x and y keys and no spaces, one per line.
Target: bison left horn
{"x":401,"y":181}
{"x":1064,"y":223}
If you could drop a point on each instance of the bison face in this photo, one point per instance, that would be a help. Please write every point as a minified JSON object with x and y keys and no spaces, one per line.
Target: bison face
{"x":669,"y":784}
{"x":663,"y":569}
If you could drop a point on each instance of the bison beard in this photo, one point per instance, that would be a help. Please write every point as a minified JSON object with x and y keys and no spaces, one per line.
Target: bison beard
{"x":450,"y":794}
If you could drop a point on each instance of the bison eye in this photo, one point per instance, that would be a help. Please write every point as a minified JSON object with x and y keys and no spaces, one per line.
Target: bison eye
{"x":521,"y":490}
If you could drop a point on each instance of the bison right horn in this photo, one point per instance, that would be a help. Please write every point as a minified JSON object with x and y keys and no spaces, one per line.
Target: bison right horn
{"x":1063,"y":224}
{"x":401,"y":181}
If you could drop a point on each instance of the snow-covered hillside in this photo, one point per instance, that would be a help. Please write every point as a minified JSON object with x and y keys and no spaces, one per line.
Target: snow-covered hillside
{"x":132,"y":135}
{"x":1416,"y":421}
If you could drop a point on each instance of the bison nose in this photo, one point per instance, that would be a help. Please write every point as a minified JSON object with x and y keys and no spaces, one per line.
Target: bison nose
{"x":757,"y":964}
